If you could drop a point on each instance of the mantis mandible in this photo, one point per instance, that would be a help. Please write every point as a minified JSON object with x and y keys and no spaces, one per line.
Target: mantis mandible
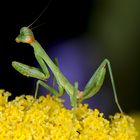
{"x":92,"y":87}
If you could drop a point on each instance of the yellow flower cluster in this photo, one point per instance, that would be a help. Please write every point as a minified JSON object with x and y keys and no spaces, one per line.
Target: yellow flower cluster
{"x":47,"y":119}
{"x":136,"y":116}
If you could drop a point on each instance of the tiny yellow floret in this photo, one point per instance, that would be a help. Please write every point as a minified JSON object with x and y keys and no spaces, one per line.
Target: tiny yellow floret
{"x":25,"y":118}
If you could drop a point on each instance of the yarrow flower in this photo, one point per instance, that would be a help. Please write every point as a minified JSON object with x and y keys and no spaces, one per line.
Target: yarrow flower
{"x":45,"y":118}
{"x":136,"y":116}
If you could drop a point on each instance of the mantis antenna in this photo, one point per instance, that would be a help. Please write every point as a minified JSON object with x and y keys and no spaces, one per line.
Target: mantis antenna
{"x":37,"y":26}
{"x":42,"y":12}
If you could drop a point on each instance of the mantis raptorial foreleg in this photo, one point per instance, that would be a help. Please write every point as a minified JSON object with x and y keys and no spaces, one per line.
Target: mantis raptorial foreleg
{"x":92,"y":87}
{"x":36,"y":73}
{"x":29,"y":71}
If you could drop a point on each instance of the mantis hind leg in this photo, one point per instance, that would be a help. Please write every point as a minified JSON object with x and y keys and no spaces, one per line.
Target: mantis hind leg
{"x":96,"y":82}
{"x":113,"y":85}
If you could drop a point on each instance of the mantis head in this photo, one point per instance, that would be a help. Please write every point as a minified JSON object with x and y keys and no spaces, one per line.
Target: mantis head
{"x":25,"y":36}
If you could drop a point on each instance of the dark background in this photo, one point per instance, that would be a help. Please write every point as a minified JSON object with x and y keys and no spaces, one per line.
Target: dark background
{"x":113,"y":25}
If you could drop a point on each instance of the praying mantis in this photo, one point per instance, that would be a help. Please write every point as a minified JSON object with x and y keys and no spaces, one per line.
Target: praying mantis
{"x":92,"y":87}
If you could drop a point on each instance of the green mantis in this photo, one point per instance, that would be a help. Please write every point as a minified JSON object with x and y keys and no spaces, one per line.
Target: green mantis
{"x":91,"y":88}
